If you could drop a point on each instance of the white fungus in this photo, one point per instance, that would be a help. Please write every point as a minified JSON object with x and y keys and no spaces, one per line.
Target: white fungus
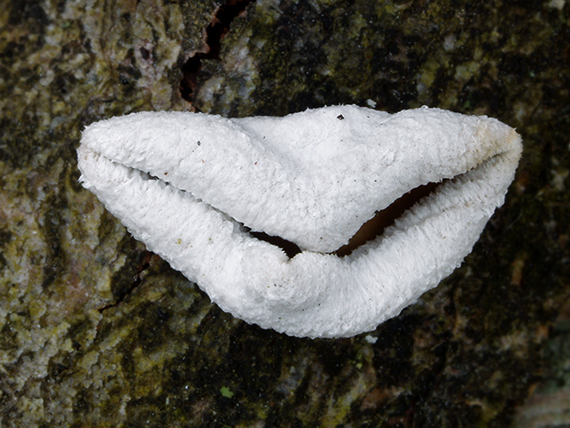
{"x":192,"y":186}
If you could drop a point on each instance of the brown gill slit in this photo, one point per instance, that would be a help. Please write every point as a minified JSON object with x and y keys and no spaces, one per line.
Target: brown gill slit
{"x":368,"y":231}
{"x":385,"y":218}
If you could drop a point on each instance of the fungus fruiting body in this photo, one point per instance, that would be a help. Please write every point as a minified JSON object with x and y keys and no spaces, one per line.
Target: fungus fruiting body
{"x":199,"y":190}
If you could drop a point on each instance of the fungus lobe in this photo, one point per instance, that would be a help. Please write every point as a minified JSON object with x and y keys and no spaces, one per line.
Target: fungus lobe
{"x":259,"y":211}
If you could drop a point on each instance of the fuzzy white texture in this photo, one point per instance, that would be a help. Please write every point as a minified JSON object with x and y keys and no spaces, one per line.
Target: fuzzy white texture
{"x":185,"y":183}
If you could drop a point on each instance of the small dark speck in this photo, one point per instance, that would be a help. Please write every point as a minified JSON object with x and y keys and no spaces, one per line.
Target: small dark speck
{"x":198,"y":143}
{"x":145,"y":53}
{"x":340,"y":117}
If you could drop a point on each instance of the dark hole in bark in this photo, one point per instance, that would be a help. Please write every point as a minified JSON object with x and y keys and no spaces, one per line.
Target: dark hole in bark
{"x":215,"y":32}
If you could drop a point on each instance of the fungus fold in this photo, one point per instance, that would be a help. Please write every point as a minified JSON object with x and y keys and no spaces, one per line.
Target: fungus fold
{"x":259,"y":211}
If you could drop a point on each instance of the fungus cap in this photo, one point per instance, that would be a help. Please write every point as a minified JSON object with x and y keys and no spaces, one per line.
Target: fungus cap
{"x":192,"y":186}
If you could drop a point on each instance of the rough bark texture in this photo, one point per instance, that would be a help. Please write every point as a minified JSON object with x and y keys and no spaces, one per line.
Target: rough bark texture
{"x":95,"y":331}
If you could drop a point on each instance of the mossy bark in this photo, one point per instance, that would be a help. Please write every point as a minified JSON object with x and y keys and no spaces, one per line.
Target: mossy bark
{"x":95,"y":331}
